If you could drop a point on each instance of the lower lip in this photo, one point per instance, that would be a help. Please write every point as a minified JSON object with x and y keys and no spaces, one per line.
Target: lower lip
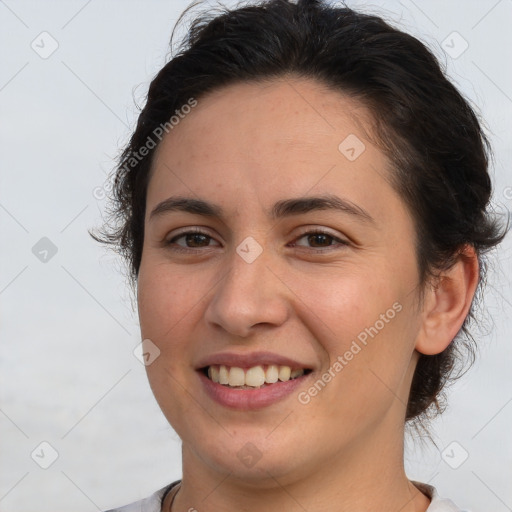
{"x":248,"y":399}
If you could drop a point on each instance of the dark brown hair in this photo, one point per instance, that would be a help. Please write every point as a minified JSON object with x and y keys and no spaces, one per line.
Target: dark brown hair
{"x":429,"y":131}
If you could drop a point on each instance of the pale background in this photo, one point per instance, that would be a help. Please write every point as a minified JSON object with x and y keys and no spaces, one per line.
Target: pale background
{"x":68,"y":373}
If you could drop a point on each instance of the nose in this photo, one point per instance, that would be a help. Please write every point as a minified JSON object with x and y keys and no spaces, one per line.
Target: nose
{"x":250,"y":294}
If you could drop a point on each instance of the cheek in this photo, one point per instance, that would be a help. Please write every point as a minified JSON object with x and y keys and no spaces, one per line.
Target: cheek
{"x":366,"y":319}
{"x":345,"y":303}
{"x":167,"y":304}
{"x":164,"y":300}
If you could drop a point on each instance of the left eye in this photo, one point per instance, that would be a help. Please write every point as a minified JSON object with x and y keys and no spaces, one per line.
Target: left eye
{"x":322,"y":238}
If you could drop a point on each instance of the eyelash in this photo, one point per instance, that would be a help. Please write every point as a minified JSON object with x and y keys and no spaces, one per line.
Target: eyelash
{"x":170,"y":243}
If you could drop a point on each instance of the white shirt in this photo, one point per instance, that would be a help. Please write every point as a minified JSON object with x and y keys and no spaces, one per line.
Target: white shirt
{"x":153,"y":503}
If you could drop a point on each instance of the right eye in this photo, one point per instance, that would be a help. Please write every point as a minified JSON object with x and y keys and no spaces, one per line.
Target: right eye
{"x":195,"y":237}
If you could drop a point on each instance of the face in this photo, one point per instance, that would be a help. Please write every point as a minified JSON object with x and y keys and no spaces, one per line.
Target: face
{"x":269,"y":282}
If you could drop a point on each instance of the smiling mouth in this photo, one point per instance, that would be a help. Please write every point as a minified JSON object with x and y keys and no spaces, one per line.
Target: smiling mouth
{"x":252,"y":378}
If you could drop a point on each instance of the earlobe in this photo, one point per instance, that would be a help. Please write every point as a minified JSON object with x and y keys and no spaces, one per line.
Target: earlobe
{"x":447,"y":304}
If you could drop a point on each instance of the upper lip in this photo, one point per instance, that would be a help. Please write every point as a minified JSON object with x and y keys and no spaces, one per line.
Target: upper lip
{"x":249,"y":360}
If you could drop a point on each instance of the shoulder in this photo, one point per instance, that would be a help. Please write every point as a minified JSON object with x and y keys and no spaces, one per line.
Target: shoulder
{"x":437,"y":504}
{"x":152,"y":503}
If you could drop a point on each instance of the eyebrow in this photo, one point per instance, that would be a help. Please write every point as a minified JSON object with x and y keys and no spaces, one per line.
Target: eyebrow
{"x":281,"y":209}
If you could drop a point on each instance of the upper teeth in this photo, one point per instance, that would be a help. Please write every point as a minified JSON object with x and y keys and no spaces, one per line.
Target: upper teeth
{"x":254,"y":377}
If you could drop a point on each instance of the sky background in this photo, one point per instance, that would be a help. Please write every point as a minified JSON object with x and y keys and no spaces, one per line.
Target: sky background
{"x":69,"y":75}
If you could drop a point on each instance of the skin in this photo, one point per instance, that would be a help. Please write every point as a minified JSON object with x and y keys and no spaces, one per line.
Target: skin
{"x":244,"y":147}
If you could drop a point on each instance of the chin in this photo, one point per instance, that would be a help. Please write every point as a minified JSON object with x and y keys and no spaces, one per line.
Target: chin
{"x":252,"y":459}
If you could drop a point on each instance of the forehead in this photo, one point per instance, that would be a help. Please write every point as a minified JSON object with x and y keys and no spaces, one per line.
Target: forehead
{"x":258,"y":141}
{"x":293,"y":111}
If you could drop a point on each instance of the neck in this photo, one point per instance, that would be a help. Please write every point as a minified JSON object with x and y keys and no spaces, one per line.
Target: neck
{"x":368,"y":475}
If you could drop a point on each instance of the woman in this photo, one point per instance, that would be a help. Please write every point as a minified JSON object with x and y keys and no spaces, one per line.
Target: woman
{"x":303,"y":206}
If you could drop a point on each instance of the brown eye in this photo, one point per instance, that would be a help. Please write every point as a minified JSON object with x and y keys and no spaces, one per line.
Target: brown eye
{"x":320,"y":239}
{"x":192,"y":240}
{"x":195,"y":239}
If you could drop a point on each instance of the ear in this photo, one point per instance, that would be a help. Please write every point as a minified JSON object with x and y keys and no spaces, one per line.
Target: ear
{"x":447,"y":303}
